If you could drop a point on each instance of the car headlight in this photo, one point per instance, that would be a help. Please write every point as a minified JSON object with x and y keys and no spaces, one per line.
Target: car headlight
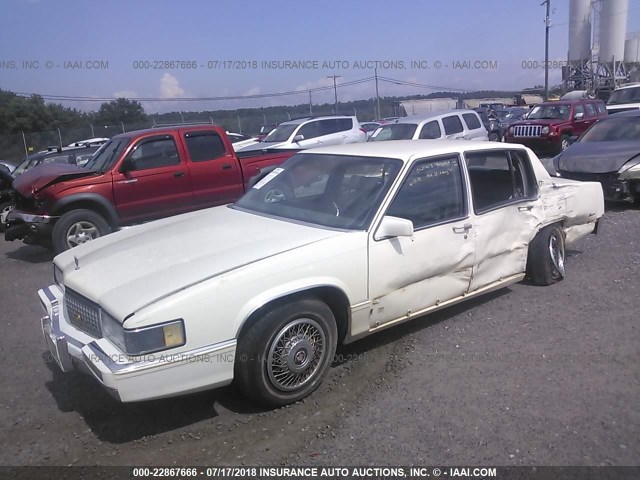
{"x":144,"y":340}
{"x":58,"y":276}
{"x":630,"y":168}
{"x":545,"y":130}
{"x":510,"y":130}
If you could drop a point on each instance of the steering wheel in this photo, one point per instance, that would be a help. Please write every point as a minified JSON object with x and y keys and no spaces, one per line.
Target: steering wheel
{"x":274,"y":195}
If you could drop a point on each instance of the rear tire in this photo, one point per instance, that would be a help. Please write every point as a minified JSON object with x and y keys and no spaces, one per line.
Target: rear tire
{"x":77,"y":227}
{"x":546,"y":258}
{"x":285,"y":355}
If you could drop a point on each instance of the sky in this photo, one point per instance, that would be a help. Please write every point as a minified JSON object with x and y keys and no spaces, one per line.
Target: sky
{"x":226,"y":48}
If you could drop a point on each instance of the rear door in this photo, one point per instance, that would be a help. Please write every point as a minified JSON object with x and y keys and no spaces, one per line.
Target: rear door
{"x":504,"y":196}
{"x":215,"y":172}
{"x":580,"y":124}
{"x":153,"y":180}
{"x":475,"y":129}
{"x":453,"y":128}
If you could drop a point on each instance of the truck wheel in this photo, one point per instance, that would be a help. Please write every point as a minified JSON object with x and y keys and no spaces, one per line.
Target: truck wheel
{"x":285,"y":355}
{"x":545,"y":261}
{"x":564,"y":142}
{"x":77,"y":227}
{"x":494,"y":137}
{"x":5,"y":208}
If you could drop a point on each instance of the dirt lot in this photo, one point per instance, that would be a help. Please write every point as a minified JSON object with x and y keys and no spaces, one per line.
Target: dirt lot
{"x":525,"y":376}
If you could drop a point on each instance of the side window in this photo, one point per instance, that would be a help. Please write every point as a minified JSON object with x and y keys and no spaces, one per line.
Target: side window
{"x":345,"y":124}
{"x":203,"y":146}
{"x":591,"y":109}
{"x":328,"y":127}
{"x":578,"y":109}
{"x":452,"y":125}
{"x":471,"y":120}
{"x":499,"y":177}
{"x":57,"y":159}
{"x":433,"y":192}
{"x":431,"y":130}
{"x":601,"y":108}
{"x":309,"y":130}
{"x":154,"y":152}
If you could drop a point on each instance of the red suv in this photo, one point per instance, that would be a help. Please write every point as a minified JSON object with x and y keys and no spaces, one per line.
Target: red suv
{"x":550,"y":125}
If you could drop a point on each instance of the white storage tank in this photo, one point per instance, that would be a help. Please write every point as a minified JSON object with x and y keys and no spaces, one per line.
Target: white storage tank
{"x":613,"y":27}
{"x":632,"y":49}
{"x":579,"y":30}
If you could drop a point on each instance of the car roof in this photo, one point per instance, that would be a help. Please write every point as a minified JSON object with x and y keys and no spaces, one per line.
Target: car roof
{"x":298,"y":121}
{"x":628,"y":113}
{"x":406,"y":150}
{"x":631,"y":85}
{"x":429,"y":116}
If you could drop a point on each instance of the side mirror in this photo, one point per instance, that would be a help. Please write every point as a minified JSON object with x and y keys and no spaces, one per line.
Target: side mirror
{"x":127,"y":165}
{"x":298,"y":138}
{"x":392,"y":227}
{"x":573,"y":139}
{"x":578,"y":116}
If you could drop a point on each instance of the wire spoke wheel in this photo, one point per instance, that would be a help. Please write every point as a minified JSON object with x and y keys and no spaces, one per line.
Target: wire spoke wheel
{"x":296,"y":354}
{"x":556,"y":252}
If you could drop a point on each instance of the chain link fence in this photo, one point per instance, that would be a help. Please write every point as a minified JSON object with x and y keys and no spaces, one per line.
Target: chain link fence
{"x":14,"y":147}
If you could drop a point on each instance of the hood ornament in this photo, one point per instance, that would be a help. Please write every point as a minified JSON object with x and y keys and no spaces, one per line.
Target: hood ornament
{"x":75,"y":260}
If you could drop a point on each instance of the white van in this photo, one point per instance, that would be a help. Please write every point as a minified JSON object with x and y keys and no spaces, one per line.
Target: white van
{"x":453,"y":124}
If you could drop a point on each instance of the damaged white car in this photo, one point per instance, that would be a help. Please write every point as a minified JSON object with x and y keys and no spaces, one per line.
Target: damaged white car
{"x":339,"y":243}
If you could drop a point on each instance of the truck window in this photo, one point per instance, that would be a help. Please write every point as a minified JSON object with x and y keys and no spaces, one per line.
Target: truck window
{"x":431,"y":130}
{"x":499,"y":178}
{"x":471,"y":120}
{"x":203,"y":146}
{"x":578,"y":109}
{"x":433,"y":192}
{"x":156,"y":152}
{"x":591,"y":109}
{"x":452,"y":124}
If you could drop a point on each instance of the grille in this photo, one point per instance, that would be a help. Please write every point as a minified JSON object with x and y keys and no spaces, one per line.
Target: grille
{"x":527,"y":130}
{"x":82,"y":313}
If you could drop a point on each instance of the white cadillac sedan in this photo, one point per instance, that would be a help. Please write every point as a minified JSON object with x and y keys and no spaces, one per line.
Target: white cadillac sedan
{"x":338,"y":243}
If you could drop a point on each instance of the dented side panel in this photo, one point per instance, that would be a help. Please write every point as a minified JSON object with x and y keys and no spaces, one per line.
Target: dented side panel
{"x":410,"y":274}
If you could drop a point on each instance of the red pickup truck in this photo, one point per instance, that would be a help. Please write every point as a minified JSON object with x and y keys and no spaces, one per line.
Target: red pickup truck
{"x":135,"y":177}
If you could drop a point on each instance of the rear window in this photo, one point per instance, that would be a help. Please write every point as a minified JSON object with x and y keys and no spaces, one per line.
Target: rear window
{"x":452,"y":125}
{"x":471,"y":120}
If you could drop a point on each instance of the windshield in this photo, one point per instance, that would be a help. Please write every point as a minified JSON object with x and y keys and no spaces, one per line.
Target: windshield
{"x":626,"y":95}
{"x":549,"y":112}
{"x":27,"y":163}
{"x":280,"y":134}
{"x":397,"y":131}
{"x":336,"y":191}
{"x":107,"y":154}
{"x":614,"y":129}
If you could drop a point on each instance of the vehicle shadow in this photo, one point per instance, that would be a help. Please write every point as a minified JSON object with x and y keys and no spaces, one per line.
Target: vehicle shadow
{"x":116,"y":422}
{"x":31,"y":254}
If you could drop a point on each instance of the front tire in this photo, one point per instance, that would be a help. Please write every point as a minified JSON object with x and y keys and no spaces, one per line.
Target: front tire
{"x":564,"y":143}
{"x":285,"y":355}
{"x":5,"y":208}
{"x":77,"y":227}
{"x":546,"y":259}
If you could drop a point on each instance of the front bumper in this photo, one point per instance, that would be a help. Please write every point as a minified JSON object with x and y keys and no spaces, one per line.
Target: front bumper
{"x":21,"y":225}
{"x":544,"y":143}
{"x":131,"y":379}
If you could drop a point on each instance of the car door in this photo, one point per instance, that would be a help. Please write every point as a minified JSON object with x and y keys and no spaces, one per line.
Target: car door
{"x":311,"y":133}
{"x":408,"y":275}
{"x":430,"y":130}
{"x":504,"y":196}
{"x":453,"y":128}
{"x":153,"y":181}
{"x":215,"y":173}
{"x":580,"y":120}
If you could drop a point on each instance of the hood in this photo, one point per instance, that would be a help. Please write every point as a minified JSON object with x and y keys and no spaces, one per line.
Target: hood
{"x":266,"y":146}
{"x":43,"y":175}
{"x":597,"y":157}
{"x":130,"y":269}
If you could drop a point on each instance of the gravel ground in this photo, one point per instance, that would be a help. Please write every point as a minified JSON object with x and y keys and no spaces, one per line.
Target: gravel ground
{"x":524,"y":376}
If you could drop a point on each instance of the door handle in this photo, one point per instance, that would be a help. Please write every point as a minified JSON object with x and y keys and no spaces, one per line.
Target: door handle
{"x":528,"y":208}
{"x":226,"y":166}
{"x":463,"y":229}
{"x":178,"y":174}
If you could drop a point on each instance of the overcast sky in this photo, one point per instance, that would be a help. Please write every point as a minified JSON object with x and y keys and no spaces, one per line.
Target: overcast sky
{"x":495,"y":37}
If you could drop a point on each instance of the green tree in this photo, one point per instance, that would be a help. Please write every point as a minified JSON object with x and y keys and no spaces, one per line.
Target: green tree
{"x":120,"y":110}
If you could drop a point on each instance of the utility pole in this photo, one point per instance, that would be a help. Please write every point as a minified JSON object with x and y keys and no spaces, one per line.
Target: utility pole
{"x":335,"y":89}
{"x":546,"y":48}
{"x":377,"y":96}
{"x":310,"y":104}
